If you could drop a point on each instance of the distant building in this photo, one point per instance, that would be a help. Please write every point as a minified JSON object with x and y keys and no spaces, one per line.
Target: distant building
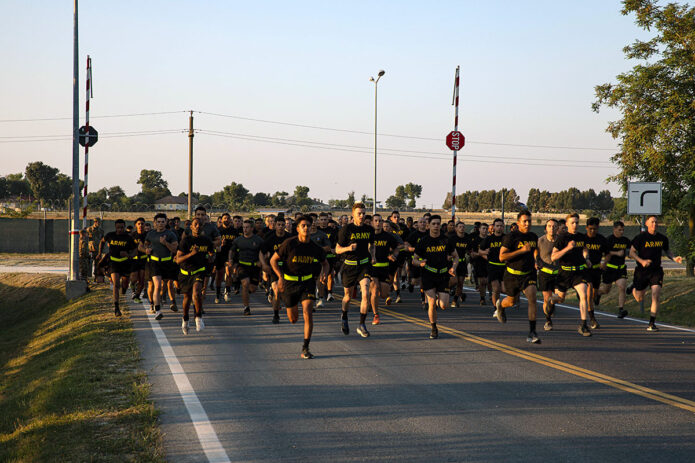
{"x":172,"y":203}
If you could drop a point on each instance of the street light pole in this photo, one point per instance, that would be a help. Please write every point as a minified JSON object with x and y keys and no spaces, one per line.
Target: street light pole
{"x":74,"y":225}
{"x":376,"y":81}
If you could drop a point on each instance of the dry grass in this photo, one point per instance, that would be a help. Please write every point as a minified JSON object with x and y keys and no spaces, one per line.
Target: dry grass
{"x":46,"y":259}
{"x":70,"y":388}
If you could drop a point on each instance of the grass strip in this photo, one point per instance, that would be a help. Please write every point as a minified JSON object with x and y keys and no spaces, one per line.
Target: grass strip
{"x":70,"y":387}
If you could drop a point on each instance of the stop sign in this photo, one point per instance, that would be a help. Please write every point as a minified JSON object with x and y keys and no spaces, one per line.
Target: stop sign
{"x":455,"y":140}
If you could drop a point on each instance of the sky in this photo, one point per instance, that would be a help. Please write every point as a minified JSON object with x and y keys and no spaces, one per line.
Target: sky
{"x":528,"y":72}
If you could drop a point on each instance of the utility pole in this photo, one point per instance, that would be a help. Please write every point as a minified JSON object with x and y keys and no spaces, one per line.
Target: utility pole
{"x":190,"y":166}
{"x":503,"y":222}
{"x":74,"y":287}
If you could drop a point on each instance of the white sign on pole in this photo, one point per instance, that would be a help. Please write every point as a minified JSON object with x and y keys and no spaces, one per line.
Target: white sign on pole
{"x":644,"y":198}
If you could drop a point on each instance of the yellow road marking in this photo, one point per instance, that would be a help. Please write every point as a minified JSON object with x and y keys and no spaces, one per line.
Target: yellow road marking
{"x":626,"y":386}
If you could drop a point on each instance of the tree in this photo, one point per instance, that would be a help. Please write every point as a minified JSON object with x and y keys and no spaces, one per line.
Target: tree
{"x":154,"y":186}
{"x":279,"y":199}
{"x":235,"y":196}
{"x":41,"y":177}
{"x":301,"y":196}
{"x":655,"y":101}
{"x":116,"y":193}
{"x":412,"y":192}
{"x":350,"y":199}
{"x":261,"y":199}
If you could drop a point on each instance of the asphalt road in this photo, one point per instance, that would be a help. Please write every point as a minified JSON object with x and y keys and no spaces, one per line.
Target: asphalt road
{"x":479,"y":392}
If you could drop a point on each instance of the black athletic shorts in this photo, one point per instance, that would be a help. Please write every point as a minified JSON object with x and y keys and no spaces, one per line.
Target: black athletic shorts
{"x":297,"y":291}
{"x":593,"y":276}
{"x":393,"y":269}
{"x":546,"y":281}
{"x":252,"y":272}
{"x":480,"y":267}
{"x":415,"y":271}
{"x":167,"y":270}
{"x":380,"y":273}
{"x":437,"y":281}
{"x":353,"y":274}
{"x":611,"y":275}
{"x":515,"y":284}
{"x":221,"y":260}
{"x":495,"y":272}
{"x":122,"y":268}
{"x":137,"y":265}
{"x":332,"y":264}
{"x":186,"y":282}
{"x":647,"y":277}
{"x":462,"y":269}
{"x":567,"y":280}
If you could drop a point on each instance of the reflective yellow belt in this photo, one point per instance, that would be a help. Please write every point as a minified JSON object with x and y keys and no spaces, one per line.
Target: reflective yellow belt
{"x":381,"y":264}
{"x":497,"y":263}
{"x":142,"y":256}
{"x":158,"y":259}
{"x":549,"y":270}
{"x":192,"y":272}
{"x":616,"y":267}
{"x":294,"y":278}
{"x":354,"y":262}
{"x":573,"y":269}
{"x":330,"y":256}
{"x":517,"y":272}
{"x":596,"y":266}
{"x":434,"y":270}
{"x":245,"y":263}
{"x":118,"y":259}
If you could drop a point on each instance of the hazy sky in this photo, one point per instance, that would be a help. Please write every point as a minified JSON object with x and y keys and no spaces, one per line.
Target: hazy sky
{"x":528,"y":73}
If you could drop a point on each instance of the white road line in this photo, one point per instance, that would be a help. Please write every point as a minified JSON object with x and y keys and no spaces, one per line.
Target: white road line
{"x":206,"y":433}
{"x":605,"y":314}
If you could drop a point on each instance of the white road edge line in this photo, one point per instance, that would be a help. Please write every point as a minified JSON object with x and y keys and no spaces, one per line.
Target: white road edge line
{"x":206,"y":433}
{"x":605,"y":314}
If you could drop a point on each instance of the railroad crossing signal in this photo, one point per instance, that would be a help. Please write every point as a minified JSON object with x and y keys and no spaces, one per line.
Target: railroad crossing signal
{"x":88,"y":139}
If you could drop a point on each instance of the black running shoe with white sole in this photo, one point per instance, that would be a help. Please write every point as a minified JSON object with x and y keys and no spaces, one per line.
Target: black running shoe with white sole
{"x":584,"y":330}
{"x":306,"y":354}
{"x":533,"y":338}
{"x":362,"y":330}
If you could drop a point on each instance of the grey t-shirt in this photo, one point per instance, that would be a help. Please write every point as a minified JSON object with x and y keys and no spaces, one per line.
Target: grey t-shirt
{"x":246,"y":249}
{"x":545,"y":251}
{"x":158,"y":249}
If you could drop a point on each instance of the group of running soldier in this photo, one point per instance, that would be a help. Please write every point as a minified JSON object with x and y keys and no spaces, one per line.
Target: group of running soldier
{"x":299,"y":261}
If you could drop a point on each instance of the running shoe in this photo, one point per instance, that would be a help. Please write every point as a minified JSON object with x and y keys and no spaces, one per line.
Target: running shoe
{"x":593,"y":324}
{"x":622,"y":313}
{"x":388,"y":301}
{"x":159,"y":315}
{"x":247,"y":311}
{"x":276,"y":319}
{"x":306,"y":354}
{"x":362,"y":330}
{"x":319,"y":303}
{"x":236,"y":291}
{"x":270,"y":298}
{"x":652,"y":328}
{"x":117,"y":312}
{"x":500,"y":314}
{"x":482,"y":301}
{"x":584,"y":331}
{"x":184,"y":326}
{"x":434,"y":334}
{"x":199,"y":324}
{"x":463,"y":296}
{"x":403,"y":285}
{"x":217,"y":300}
{"x":398,"y":299}
{"x":137,"y":300}
{"x":173,"y":308}
{"x":376,"y":320}
{"x":533,"y":338}
{"x":329,"y":298}
{"x":152,"y":311}
{"x":226,"y":297}
{"x":454,"y":303}
{"x":344,"y":326}
{"x":548,"y":325}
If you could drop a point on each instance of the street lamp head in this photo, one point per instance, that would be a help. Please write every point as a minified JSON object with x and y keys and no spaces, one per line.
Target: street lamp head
{"x":371,"y":79}
{"x":381,"y":73}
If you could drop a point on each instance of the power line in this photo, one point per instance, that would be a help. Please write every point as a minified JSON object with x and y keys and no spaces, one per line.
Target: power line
{"x":447,"y":156}
{"x":43,"y":138}
{"x":92,"y":117}
{"x":267,"y":121}
{"x":360,"y":151}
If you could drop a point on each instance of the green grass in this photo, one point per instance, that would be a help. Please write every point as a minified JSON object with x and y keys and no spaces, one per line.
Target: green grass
{"x":677,"y":301}
{"x":70,"y":388}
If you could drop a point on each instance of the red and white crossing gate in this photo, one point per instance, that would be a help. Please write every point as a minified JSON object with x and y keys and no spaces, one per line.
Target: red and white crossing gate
{"x":455,"y":141}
